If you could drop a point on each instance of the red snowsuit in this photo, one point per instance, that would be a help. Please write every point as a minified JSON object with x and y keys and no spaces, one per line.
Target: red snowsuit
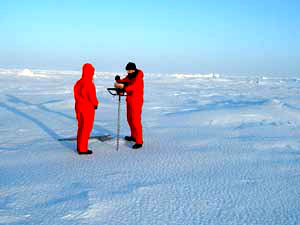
{"x":135,"y":99}
{"x":85,"y":103}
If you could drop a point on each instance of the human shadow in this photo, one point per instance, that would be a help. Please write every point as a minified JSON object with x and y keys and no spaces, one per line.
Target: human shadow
{"x":97,"y":129}
{"x":39,"y":123}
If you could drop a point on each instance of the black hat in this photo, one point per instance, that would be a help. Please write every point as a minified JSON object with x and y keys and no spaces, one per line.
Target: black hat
{"x":130,"y":66}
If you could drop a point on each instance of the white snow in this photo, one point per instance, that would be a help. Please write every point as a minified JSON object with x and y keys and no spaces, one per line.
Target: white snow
{"x":210,"y":75}
{"x":217,"y":151}
{"x":29,"y":73}
{"x":26,"y":72}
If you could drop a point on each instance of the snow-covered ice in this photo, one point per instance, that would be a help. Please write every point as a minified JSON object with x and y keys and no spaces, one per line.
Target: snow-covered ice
{"x":218,"y":150}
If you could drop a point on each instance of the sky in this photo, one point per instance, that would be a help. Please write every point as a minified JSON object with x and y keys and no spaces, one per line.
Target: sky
{"x":228,"y":37}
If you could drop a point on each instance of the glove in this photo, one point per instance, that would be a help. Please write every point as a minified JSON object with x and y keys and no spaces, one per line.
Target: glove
{"x":119,"y":85}
{"x":95,"y":107}
{"x":117,"y":78}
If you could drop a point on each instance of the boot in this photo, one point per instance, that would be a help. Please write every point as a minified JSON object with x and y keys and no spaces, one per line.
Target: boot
{"x":85,"y":153}
{"x":136,"y":146}
{"x":129,"y":138}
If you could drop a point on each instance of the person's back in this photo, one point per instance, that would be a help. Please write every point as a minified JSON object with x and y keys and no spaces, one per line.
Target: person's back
{"x":85,"y":104}
{"x":85,"y":90}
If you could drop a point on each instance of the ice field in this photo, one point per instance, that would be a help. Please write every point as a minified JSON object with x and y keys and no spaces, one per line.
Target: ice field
{"x":218,"y":150}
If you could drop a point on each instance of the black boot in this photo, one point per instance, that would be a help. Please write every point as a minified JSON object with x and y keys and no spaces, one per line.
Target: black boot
{"x":89,"y":152}
{"x":136,"y":146}
{"x":129,"y":138}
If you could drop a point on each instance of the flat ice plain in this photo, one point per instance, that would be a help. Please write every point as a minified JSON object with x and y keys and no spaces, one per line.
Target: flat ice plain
{"x":218,"y":150}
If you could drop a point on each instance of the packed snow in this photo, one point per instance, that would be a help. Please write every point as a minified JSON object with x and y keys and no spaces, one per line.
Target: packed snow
{"x":218,"y":150}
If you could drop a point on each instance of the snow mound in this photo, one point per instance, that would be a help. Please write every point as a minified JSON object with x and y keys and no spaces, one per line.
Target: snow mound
{"x":29,"y":73}
{"x":26,"y":72}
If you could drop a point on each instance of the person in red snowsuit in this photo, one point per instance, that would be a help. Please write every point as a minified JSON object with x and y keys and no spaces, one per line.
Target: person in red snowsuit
{"x":133,"y":85}
{"x":86,"y":103}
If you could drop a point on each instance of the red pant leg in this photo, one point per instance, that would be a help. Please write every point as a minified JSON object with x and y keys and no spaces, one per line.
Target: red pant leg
{"x":79,"y":128}
{"x":135,"y":111}
{"x":85,"y":126}
{"x":137,"y":120}
{"x":129,"y":119}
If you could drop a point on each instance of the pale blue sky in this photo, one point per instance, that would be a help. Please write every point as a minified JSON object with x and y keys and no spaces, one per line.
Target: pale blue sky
{"x":227,"y":37}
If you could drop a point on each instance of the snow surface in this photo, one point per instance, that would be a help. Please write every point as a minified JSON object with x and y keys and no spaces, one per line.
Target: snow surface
{"x":218,"y":150}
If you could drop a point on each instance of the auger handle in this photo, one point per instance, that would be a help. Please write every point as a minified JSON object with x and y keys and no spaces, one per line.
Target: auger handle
{"x":116,"y":91}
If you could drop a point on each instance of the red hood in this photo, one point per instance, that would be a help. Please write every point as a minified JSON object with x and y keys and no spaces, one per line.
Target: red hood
{"x":88,"y":72}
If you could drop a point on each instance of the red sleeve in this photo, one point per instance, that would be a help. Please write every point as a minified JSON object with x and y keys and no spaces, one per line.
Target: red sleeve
{"x":134,"y":84}
{"x":92,"y":95}
{"x":124,"y":80}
